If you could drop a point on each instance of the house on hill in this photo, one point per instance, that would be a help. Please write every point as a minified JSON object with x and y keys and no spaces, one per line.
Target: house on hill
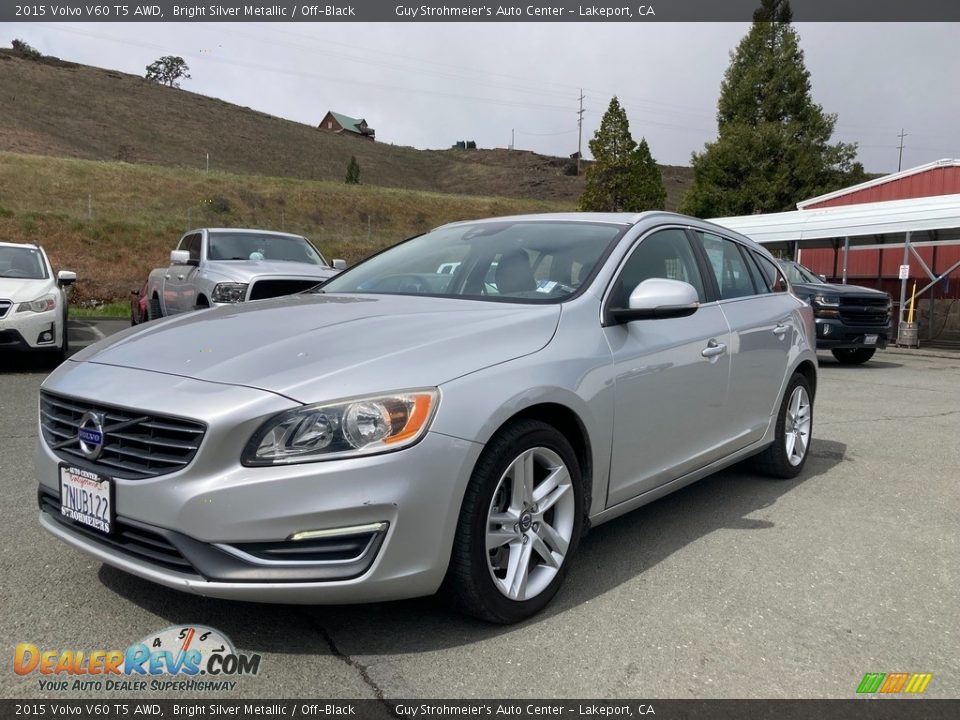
{"x":346,"y":125}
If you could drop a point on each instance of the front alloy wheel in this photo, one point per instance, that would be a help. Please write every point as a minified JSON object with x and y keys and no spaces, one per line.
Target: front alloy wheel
{"x":530,"y":523}
{"x":519,"y":524}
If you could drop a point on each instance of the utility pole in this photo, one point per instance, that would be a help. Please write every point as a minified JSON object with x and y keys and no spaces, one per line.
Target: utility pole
{"x":902,"y":135}
{"x":512,"y":145}
{"x":580,"y":132}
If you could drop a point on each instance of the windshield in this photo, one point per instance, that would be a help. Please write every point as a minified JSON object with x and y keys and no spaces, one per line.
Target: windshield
{"x":250,"y":246}
{"x":797,"y":273}
{"x":25,"y":263}
{"x":532,"y":261}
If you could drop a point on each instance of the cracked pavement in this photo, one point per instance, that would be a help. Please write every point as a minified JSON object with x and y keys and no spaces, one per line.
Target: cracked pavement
{"x":736,"y":586}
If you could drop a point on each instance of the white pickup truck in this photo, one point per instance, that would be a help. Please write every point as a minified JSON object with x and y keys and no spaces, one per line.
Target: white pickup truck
{"x":221,"y":266}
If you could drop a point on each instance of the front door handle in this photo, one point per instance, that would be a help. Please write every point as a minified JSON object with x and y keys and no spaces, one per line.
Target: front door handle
{"x":713,"y":349}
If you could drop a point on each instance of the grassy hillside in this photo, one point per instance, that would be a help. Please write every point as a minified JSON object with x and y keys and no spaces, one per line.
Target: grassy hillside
{"x":105,"y":170}
{"x":112,"y":222}
{"x":51,"y":107}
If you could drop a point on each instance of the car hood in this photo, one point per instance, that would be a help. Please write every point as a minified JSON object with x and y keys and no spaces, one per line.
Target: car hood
{"x":807,"y":289}
{"x":314,"y":347}
{"x":24,"y":290}
{"x":247,"y":270}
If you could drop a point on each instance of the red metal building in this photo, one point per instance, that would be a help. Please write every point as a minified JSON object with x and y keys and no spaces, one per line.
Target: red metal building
{"x":880,"y":267}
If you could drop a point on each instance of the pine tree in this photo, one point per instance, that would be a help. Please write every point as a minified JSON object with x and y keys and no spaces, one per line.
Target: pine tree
{"x":623,"y":176}
{"x":353,"y":172}
{"x":773,"y":146}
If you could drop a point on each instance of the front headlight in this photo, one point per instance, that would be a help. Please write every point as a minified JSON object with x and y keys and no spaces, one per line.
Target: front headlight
{"x":229,"y":292}
{"x":347,"y":428}
{"x":826,"y":300}
{"x":41,"y":304}
{"x":826,"y":306}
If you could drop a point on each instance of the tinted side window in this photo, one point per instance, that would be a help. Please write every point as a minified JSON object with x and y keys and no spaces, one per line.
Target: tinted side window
{"x":772,"y":274}
{"x":191,"y":243}
{"x":729,"y":268}
{"x":664,"y":254}
{"x":193,"y":246}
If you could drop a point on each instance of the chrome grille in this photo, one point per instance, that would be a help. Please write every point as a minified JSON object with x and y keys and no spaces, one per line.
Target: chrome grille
{"x":135,"y":445}
{"x":5,"y":306}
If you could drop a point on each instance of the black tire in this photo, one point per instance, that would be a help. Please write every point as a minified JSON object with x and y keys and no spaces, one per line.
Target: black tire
{"x":154,"y":311}
{"x":469,"y":582}
{"x":775,"y":461}
{"x":853,"y":356}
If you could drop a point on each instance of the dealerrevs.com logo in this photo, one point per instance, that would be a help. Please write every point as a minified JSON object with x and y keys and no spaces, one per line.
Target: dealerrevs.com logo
{"x":177,"y":659}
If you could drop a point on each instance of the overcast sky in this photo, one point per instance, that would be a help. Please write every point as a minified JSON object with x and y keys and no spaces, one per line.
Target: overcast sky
{"x":429,"y":85}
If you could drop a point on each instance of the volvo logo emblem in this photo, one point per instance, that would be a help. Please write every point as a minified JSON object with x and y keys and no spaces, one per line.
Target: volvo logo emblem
{"x":526,"y":520}
{"x":90,"y":435}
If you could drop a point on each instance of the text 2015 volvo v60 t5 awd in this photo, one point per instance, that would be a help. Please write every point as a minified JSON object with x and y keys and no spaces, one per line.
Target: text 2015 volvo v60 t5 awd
{"x":452,"y":412}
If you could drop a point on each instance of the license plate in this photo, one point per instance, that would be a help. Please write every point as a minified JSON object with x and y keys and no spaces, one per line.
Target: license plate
{"x":870,"y":339}
{"x":86,"y":497}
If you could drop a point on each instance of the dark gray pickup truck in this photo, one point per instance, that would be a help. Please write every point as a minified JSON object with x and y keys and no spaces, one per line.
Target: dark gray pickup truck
{"x":852,"y":321}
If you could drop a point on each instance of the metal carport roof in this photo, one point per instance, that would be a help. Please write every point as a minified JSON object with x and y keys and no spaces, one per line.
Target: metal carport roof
{"x":891,"y":223}
{"x":869,"y":223}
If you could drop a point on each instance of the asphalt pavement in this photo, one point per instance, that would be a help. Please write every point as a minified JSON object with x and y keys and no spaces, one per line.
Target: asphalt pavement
{"x":737,"y":586}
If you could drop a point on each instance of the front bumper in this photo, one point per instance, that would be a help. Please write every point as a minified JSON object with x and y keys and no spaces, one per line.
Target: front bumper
{"x":212,"y":507}
{"x":28,"y":331}
{"x":835,"y":333}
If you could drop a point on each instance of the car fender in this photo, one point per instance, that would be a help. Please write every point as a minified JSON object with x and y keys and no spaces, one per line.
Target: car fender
{"x":500,"y":392}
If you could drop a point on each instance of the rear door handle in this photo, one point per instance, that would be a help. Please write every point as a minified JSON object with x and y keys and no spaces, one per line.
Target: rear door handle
{"x":713,"y":349}
{"x":781,"y":329}
{"x":180,"y":277}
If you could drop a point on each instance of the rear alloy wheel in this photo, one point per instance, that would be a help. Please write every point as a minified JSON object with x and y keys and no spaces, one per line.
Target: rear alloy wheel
{"x":787,"y":455}
{"x":853,"y":356}
{"x":520,"y":524}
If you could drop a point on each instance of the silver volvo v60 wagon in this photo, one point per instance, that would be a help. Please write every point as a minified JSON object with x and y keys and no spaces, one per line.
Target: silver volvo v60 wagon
{"x":452,"y":413}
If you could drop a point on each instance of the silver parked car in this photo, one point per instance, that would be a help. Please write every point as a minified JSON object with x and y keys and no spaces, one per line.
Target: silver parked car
{"x":402,"y":428}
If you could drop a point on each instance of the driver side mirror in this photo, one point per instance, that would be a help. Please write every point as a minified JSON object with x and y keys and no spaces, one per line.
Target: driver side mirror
{"x":66,"y":278}
{"x":181,"y":257}
{"x":339,"y":264}
{"x":658,"y":298}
